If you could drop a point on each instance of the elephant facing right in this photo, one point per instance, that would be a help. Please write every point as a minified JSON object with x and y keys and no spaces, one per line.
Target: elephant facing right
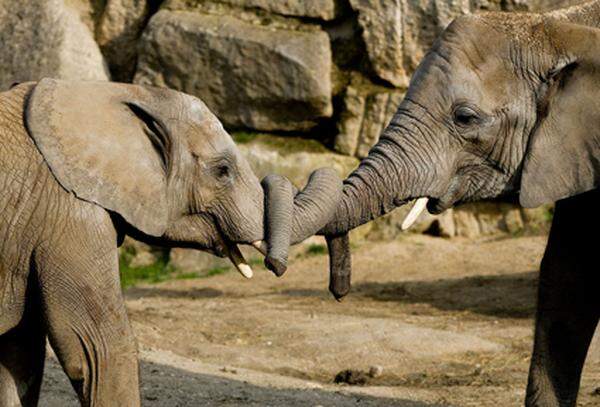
{"x":503,"y":105}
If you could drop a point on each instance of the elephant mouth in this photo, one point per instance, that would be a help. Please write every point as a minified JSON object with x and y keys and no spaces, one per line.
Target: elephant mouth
{"x":232,"y":251}
{"x":435,"y":205}
{"x":227,"y":248}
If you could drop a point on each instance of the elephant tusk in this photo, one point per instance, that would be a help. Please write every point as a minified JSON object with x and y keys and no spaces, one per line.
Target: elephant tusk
{"x":261,"y":246}
{"x":414,"y":213}
{"x":237,"y":258}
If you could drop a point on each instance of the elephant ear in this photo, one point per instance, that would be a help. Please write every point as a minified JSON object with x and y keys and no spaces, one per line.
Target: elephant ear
{"x":563,"y":156}
{"x":108,"y":144}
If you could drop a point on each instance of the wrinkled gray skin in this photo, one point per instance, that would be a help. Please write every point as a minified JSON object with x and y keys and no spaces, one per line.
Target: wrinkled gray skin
{"x":506,"y":105}
{"x":82,"y":164}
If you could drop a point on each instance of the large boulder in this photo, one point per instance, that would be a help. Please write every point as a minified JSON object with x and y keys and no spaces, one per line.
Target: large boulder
{"x":292,"y":157}
{"x":117,"y":31}
{"x":251,"y":76}
{"x":89,"y":11}
{"x":320,"y":9}
{"x":46,"y":39}
{"x":397,"y":33}
{"x":366,"y":112}
{"x":423,"y":21}
{"x":382,"y":30}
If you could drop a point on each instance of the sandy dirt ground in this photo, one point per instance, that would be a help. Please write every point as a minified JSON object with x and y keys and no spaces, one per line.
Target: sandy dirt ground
{"x":450,"y":322}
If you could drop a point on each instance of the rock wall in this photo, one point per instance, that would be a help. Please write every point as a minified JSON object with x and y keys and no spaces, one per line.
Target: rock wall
{"x":251,"y":76}
{"x":46,"y":39}
{"x":300,"y":83}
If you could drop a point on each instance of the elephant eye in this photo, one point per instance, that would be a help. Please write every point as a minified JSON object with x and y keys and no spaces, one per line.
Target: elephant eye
{"x":465,"y":116}
{"x":223,"y":171}
{"x":224,"y":168}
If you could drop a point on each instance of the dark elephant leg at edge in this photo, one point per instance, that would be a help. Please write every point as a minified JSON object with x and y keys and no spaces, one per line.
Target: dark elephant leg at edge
{"x":568,"y":303}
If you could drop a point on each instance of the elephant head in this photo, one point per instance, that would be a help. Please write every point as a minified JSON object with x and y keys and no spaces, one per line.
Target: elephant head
{"x":502,"y":105}
{"x":160,"y":162}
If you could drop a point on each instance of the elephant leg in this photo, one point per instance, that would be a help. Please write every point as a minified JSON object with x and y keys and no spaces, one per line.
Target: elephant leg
{"x":568,"y":304}
{"x":22,"y":353}
{"x":88,"y":326}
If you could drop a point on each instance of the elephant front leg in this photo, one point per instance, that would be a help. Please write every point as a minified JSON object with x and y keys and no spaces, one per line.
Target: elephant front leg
{"x":87,"y":323}
{"x":568,"y":304}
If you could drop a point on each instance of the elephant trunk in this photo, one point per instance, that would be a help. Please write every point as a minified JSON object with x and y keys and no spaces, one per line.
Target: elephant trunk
{"x":293,"y":216}
{"x":279,"y":199}
{"x":386,"y":179}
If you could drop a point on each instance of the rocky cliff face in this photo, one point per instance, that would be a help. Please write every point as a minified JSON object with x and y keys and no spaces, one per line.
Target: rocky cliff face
{"x":319,"y":79}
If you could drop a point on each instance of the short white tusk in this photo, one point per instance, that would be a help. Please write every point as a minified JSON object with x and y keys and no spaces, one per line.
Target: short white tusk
{"x":239,"y":262}
{"x":261,"y":246}
{"x":414,"y":213}
{"x":245,"y":270}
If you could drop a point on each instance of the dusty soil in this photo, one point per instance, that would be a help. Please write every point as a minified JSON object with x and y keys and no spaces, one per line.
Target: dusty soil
{"x":449,"y":321}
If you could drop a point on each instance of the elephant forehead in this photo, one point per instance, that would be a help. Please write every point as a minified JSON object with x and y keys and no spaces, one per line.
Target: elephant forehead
{"x":196,"y":107}
{"x":464,"y":73}
{"x":489,"y":84}
{"x":205,"y":134}
{"x":195,"y":111}
{"x":207,"y":137}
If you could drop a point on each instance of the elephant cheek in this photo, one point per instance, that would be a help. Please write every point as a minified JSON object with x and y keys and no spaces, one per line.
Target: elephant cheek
{"x":457,"y":189}
{"x":197,"y":232}
{"x":241,"y":223}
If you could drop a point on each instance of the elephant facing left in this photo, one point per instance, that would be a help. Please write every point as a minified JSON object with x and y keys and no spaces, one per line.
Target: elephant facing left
{"x":81,"y":165}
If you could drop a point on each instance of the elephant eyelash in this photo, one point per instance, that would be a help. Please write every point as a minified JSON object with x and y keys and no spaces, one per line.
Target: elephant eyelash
{"x":223,"y":171}
{"x":465,"y":116}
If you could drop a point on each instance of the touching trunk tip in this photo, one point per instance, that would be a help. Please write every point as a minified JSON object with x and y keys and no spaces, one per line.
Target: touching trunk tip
{"x":261,"y":246}
{"x":277,"y":266}
{"x":414,"y":213}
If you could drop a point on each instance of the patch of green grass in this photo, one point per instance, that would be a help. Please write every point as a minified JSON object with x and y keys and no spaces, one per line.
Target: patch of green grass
{"x":284,"y":144}
{"x":316,"y":249}
{"x":159,"y":272}
{"x":255,"y":261}
{"x":186,"y":276}
{"x":154,"y":273}
{"x":518,"y":232}
{"x":242,"y":137}
{"x":291,"y":144}
{"x":217,"y":271}
{"x":549,"y":214}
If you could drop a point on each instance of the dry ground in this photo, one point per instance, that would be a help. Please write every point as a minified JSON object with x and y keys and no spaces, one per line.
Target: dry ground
{"x":450,"y":322}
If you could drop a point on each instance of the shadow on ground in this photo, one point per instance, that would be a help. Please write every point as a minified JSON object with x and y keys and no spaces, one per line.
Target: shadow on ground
{"x":502,"y":296}
{"x":135,"y":293}
{"x":167,"y":386}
